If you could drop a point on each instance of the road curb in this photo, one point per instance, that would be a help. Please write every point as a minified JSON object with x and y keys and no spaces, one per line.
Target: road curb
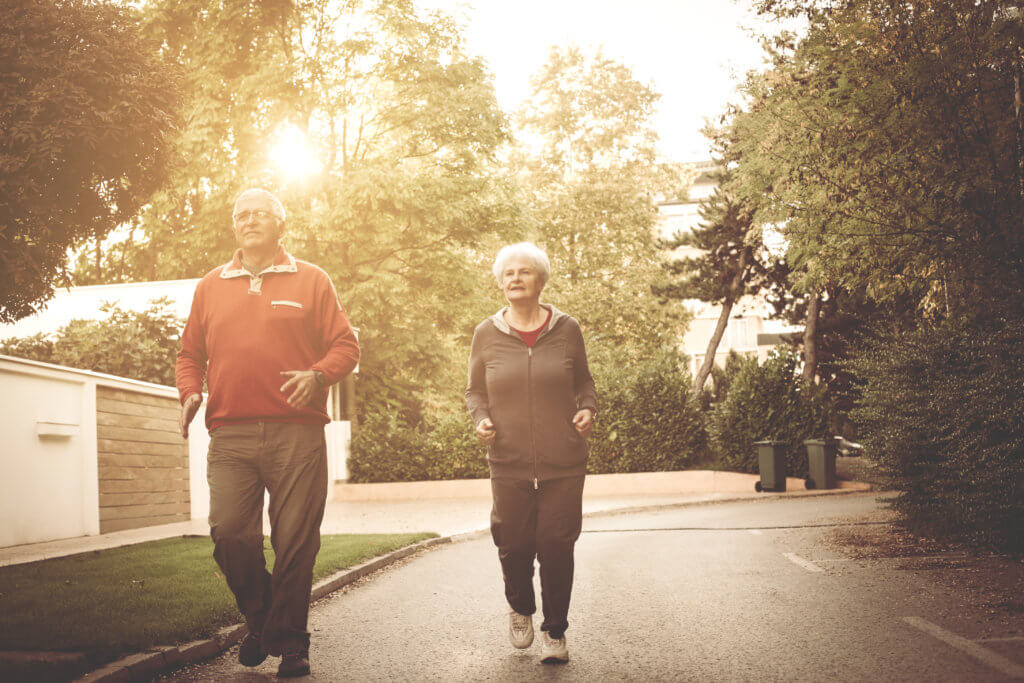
{"x":766,"y":496}
{"x":143,"y":666}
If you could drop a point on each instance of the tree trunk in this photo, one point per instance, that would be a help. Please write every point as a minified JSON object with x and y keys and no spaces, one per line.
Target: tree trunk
{"x":735,"y":289}
{"x":709,"y":355}
{"x":98,"y":259}
{"x":811,"y":339}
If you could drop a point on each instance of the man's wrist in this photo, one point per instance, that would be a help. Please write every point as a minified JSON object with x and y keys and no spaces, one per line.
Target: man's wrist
{"x":321,"y":379}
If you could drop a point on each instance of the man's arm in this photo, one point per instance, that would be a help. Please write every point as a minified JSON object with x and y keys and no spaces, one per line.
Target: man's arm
{"x":339,"y":339}
{"x":190,"y":368}
{"x":337,"y":335}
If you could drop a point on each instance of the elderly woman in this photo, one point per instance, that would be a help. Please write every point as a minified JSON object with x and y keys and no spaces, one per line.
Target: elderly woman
{"x":533,"y":402}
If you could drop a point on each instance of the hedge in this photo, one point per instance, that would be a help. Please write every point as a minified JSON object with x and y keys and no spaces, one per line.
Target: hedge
{"x":768,"y":402}
{"x":942,"y":410}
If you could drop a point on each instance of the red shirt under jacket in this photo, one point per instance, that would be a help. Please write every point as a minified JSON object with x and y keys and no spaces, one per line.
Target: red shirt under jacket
{"x":530,"y":338}
{"x":244,"y":330}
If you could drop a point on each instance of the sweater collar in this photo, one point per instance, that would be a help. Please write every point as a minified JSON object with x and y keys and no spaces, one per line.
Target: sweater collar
{"x":556,"y":315}
{"x":283,"y":263}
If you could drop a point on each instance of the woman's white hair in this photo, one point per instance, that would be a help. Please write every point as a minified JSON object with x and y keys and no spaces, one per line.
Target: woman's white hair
{"x":527,"y":251}
{"x":276,"y":206}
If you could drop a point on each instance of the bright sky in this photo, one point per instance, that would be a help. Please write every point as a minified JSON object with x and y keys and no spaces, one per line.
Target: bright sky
{"x":693,"y":52}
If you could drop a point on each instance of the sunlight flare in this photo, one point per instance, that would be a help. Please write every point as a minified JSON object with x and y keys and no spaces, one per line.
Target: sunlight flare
{"x":293,"y":155}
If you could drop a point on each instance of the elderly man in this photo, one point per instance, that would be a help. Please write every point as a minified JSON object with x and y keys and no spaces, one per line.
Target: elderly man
{"x":269,"y":335}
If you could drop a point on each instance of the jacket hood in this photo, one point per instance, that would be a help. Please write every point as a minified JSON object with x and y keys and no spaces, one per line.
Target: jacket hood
{"x":556,"y":315}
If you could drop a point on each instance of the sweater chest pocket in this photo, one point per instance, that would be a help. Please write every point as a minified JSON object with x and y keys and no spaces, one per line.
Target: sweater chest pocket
{"x":287,"y":311}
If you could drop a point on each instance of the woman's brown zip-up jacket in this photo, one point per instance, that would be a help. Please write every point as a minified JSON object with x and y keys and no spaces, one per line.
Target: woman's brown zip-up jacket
{"x":531,"y":396}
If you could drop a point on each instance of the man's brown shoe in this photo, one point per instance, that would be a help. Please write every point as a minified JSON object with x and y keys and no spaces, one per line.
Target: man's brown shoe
{"x":250,"y":652}
{"x":293,"y":664}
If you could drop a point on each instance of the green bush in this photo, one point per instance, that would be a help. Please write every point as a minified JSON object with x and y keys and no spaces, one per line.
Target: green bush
{"x":649,"y":420}
{"x":768,"y":402}
{"x":717,"y":390}
{"x":386,"y":448}
{"x":942,"y":411}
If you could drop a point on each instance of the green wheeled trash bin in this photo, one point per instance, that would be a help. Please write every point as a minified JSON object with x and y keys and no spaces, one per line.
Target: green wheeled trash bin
{"x":821,"y":464}
{"x":771,"y":463}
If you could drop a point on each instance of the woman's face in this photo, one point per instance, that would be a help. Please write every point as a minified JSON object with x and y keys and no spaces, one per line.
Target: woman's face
{"x":520,"y":280}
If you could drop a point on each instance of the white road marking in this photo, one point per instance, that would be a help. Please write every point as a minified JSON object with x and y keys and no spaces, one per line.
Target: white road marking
{"x":756,"y":532}
{"x":984,"y":655}
{"x":806,"y":564}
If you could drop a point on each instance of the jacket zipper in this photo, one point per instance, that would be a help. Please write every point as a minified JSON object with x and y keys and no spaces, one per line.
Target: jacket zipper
{"x":529,"y":394}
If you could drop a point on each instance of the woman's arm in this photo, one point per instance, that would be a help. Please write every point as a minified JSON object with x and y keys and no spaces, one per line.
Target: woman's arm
{"x":586,"y":390}
{"x":476,"y":388}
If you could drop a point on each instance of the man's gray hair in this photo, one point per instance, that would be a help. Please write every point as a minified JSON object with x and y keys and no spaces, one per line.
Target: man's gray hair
{"x":527,"y":251}
{"x":276,"y":206}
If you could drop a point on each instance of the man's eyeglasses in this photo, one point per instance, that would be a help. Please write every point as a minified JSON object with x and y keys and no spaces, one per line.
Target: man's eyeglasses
{"x":243,"y":216}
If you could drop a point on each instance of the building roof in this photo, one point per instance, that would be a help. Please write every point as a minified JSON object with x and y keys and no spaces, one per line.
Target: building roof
{"x":84,"y":303}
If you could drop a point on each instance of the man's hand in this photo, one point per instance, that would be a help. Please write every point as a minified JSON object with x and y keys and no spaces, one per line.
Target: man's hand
{"x":485,"y":431}
{"x":583,"y":421}
{"x":302,"y":386}
{"x":188,"y":411}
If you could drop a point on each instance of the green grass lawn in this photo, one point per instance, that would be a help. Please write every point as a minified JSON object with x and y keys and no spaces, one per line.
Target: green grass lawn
{"x":134,"y":597}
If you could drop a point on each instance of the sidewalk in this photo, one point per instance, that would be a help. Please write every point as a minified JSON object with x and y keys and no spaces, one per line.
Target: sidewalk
{"x":466,"y":507}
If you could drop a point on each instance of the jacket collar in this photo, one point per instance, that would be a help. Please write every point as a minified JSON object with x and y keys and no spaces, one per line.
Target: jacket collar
{"x":556,"y":315}
{"x":283,"y":263}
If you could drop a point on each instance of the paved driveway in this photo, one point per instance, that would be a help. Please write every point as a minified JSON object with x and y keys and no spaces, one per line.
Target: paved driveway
{"x":725,"y":592}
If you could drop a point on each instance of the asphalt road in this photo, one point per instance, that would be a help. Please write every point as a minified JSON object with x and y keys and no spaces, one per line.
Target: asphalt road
{"x":726,"y":592}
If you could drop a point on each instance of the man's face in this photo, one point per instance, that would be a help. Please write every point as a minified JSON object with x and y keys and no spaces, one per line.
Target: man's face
{"x":255,"y":225}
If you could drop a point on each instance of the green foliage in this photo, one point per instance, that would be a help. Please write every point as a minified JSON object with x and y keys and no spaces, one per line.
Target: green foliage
{"x":388,"y":448}
{"x":768,"y":402}
{"x":649,"y":420}
{"x":722,"y":379}
{"x":729,"y":265}
{"x":405,"y":127}
{"x":884,"y":142}
{"x":86,"y":111}
{"x":138,"y":345}
{"x":588,"y":168}
{"x":942,"y":411}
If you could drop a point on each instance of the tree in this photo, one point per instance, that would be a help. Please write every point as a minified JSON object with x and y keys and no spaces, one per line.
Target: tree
{"x":85,"y":117}
{"x":730,"y":266}
{"x":884,"y":142}
{"x":404,"y":127}
{"x":138,"y":345}
{"x":588,"y":165}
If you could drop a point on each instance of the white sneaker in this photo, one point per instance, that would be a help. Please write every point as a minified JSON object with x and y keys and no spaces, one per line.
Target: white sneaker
{"x":553,"y":650}
{"x":520,"y":629}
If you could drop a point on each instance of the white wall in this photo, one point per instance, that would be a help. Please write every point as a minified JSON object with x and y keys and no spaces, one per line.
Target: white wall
{"x":198,"y":486}
{"x":49,"y":469}
{"x":48,"y":481}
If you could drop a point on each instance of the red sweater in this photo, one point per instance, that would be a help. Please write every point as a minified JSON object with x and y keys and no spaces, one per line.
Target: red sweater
{"x":244,"y":330}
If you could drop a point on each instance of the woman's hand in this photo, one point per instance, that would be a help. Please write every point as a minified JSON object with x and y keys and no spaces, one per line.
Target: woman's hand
{"x":485,"y":431}
{"x":583,"y":421}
